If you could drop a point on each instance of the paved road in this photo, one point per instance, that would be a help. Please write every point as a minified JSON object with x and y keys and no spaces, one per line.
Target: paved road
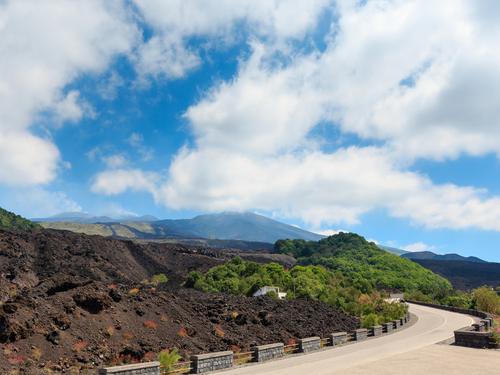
{"x":411,"y":351}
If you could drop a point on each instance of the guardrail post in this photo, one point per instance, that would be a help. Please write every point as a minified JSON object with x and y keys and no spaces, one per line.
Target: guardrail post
{"x":337,"y":338}
{"x":149,"y":368}
{"x":211,"y":362}
{"x":309,"y":344}
{"x":267,"y":352}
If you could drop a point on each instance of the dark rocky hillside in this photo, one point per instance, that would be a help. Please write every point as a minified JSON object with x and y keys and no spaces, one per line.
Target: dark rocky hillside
{"x":464,"y":275}
{"x":67,"y":306}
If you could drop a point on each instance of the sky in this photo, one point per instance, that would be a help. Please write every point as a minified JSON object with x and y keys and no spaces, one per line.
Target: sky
{"x":376,"y":117}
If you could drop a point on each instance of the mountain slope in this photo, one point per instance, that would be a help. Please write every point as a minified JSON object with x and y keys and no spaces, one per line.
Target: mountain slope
{"x":433,"y":256}
{"x":83,"y":217}
{"x":11,"y":221}
{"x":127,"y":230}
{"x":245,"y":226}
{"x":464,"y":275}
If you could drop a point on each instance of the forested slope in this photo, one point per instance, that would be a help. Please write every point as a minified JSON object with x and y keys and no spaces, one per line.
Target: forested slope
{"x":357,"y":258}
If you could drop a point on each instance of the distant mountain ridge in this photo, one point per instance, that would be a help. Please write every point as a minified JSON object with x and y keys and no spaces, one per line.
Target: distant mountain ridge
{"x":244,"y":226}
{"x":432,"y":256}
{"x":83,"y":217}
{"x":393,"y":250}
{"x":11,"y":221}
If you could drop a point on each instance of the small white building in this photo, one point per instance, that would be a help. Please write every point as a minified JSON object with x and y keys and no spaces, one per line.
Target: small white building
{"x":396,"y":297}
{"x":266,"y":289}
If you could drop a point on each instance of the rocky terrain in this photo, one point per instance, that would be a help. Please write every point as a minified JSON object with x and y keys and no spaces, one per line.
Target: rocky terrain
{"x":73,"y":302}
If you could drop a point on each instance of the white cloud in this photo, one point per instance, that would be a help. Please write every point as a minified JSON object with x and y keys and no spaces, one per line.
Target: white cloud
{"x":118,"y":181}
{"x":419,"y":246}
{"x":38,"y":202}
{"x":114,"y":161}
{"x":169,"y":53}
{"x":45,"y":46}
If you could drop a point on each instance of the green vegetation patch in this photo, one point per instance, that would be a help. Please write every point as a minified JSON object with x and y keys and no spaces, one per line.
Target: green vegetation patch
{"x":357,"y":258}
{"x":90,"y":229}
{"x":356,"y":297}
{"x":11,"y":221}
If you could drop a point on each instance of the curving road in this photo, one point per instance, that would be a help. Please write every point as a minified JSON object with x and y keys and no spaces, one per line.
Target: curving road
{"x":410,"y":351}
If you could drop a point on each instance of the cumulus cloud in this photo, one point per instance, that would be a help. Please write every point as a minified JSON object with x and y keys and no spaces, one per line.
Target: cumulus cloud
{"x":43,"y":51}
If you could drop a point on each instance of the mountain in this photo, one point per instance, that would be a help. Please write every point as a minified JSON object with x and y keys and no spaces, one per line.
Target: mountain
{"x":11,"y":221}
{"x":433,"y":256}
{"x":83,"y":217}
{"x":393,"y":250}
{"x":464,"y":275}
{"x":244,"y":226}
{"x":129,"y":230}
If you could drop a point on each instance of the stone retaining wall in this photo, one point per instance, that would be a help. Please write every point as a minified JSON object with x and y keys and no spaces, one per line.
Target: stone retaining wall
{"x":467,"y":336}
{"x":388,"y":326}
{"x":267,"y":352}
{"x":309,"y":344}
{"x":150,"y":368}
{"x":360,"y":334}
{"x":377,"y":330}
{"x":396,"y":323}
{"x":211,"y":362}
{"x":337,"y":338}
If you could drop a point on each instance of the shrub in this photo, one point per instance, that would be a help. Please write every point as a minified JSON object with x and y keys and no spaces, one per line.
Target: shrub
{"x":79,"y":346}
{"x":235,"y":315}
{"x":495,"y":328}
{"x":219,"y":333}
{"x":16,"y":359}
{"x":150,"y":324}
{"x":272,"y":294}
{"x":182,"y":332}
{"x":36,"y":353}
{"x":369,"y":321}
{"x":168,"y":359}
{"x":235,"y":349}
{"x":110,"y":331}
{"x":127,"y":336}
{"x":147,"y":357}
{"x":134,"y":291}
{"x":111,"y":286}
{"x":158,"y":279}
{"x":164,"y":318}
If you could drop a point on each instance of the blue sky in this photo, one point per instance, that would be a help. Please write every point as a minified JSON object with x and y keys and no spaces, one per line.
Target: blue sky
{"x":378,"y":117}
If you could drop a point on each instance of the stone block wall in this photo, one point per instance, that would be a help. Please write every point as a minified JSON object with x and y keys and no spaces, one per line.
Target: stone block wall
{"x":396,"y":323}
{"x":377,"y":330}
{"x":150,"y":368}
{"x":267,"y":352}
{"x":360,"y":334}
{"x":337,"y":338}
{"x":309,"y":344}
{"x":211,"y":362}
{"x":467,"y":336}
{"x":388,"y":326}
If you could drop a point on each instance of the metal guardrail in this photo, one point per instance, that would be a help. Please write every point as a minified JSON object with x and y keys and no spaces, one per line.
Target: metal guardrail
{"x":288,"y":349}
{"x":240,"y":360}
{"x":187,"y":369}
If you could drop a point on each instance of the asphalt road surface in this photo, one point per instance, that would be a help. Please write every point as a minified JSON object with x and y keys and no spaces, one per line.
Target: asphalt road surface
{"x":414,"y":350}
